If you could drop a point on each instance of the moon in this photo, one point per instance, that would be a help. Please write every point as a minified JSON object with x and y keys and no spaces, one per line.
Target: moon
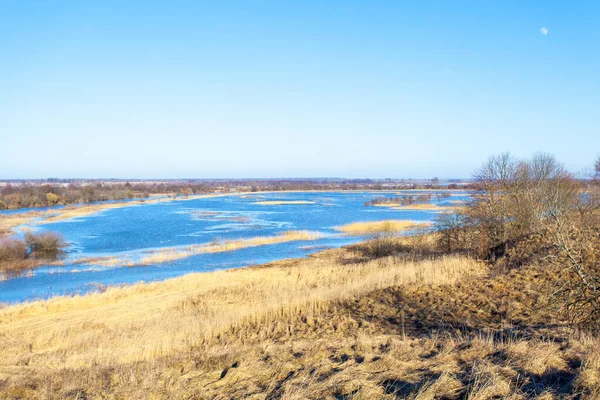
{"x":544,"y":31}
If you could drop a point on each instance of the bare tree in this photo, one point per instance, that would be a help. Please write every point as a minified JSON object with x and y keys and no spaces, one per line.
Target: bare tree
{"x":514,"y":198}
{"x":538,"y":207}
{"x":490,"y":210}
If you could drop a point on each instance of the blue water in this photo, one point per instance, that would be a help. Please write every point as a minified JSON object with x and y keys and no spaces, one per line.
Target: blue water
{"x":134,"y":229}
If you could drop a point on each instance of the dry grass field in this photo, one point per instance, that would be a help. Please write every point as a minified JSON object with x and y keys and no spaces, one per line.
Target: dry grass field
{"x":340,"y":324}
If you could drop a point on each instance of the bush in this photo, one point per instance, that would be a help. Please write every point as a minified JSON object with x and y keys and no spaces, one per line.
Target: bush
{"x":382,"y":243}
{"x":45,"y":244}
{"x":381,"y":246}
{"x":12,"y":250}
{"x":52,"y":198}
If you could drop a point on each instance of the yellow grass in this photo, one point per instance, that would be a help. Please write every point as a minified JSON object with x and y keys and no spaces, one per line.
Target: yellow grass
{"x":229,"y":245}
{"x":89,"y":209}
{"x":283,"y":202}
{"x":81,"y":211}
{"x":9,"y":222}
{"x":364,"y":228}
{"x":427,"y":206}
{"x":146,"y":321}
{"x":424,"y":206}
{"x":315,"y":328}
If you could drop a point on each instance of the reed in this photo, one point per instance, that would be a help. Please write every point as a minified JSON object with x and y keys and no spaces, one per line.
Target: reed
{"x":425,"y":207}
{"x":372,"y":227}
{"x":283,"y":202}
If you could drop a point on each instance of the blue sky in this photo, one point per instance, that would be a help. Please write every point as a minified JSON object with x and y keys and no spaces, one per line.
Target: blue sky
{"x":194,"y":89}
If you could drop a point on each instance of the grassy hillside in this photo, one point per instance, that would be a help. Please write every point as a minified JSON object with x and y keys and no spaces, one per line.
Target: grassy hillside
{"x":341,"y":324}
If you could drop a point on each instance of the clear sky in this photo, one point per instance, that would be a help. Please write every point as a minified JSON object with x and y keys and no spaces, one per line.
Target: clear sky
{"x":207,"y":89}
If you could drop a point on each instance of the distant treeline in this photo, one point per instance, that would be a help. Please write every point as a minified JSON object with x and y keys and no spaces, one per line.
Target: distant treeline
{"x":28,"y":194}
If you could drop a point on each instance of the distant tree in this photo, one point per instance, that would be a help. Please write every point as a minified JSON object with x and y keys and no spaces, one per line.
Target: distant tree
{"x":88,"y":194}
{"x":52,"y":198}
{"x":597,"y":168}
{"x":435,"y":181}
{"x":8,"y":189}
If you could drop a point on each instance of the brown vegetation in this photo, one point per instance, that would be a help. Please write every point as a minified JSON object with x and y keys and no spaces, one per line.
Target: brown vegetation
{"x":374,"y":227}
{"x":50,"y":194}
{"x":406,"y":199}
{"x":428,"y":207}
{"x":35,"y":249}
{"x":283,"y":202}
{"x":535,"y":211}
{"x":56,"y":191}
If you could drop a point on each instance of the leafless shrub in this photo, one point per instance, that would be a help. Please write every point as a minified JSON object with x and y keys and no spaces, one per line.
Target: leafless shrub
{"x":453,"y":233}
{"x":537,"y":208}
{"x":12,"y":250}
{"x":421,"y":241}
{"x":381,"y":246}
{"x":382,"y":243}
{"x":45,"y":244}
{"x":513,"y":200}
